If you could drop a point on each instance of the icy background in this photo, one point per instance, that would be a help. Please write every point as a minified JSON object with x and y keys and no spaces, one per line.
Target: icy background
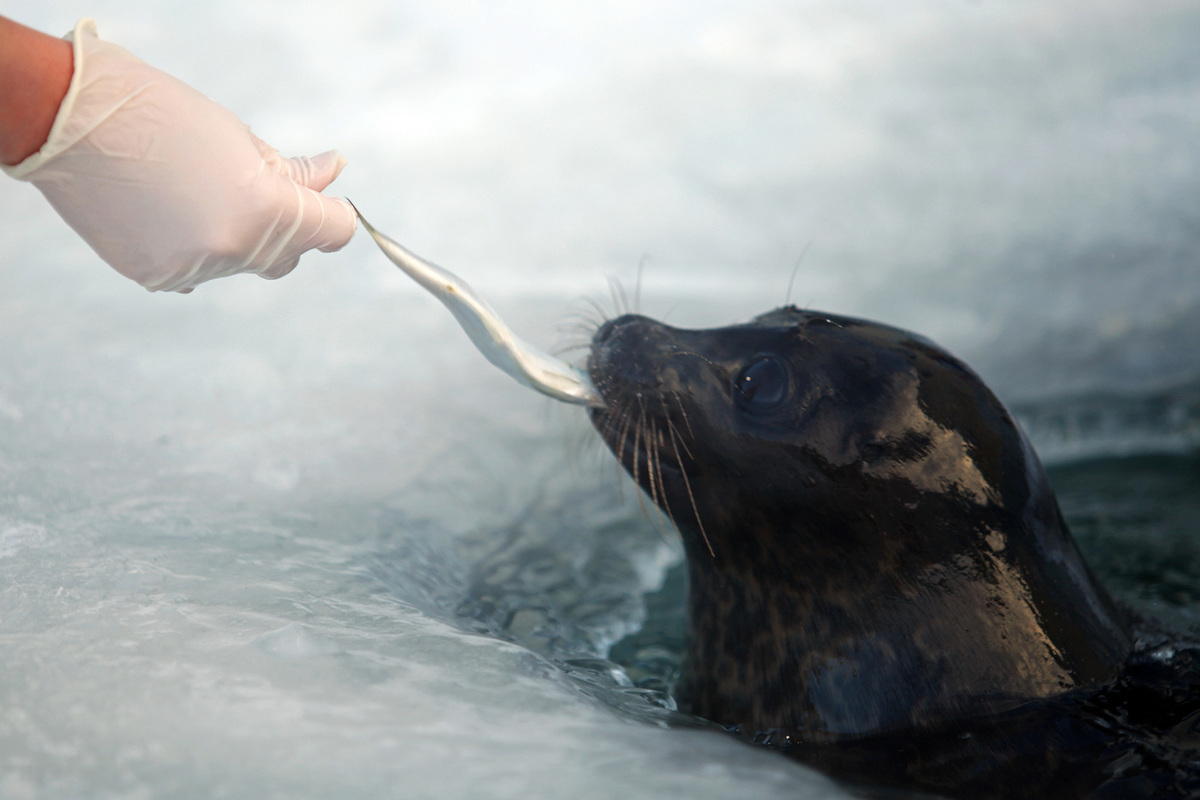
{"x":297,"y":539}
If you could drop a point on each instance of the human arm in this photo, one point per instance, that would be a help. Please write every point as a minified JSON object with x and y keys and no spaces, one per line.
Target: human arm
{"x":35,"y":73}
{"x":170,"y":188}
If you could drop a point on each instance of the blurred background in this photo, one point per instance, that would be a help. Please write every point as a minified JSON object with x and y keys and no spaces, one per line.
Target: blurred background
{"x":297,"y":539}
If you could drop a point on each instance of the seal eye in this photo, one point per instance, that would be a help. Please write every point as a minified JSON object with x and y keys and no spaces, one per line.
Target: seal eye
{"x":761,"y":385}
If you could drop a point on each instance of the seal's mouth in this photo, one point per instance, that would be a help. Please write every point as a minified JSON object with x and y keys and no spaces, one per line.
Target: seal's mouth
{"x":649,"y":443}
{"x":640,"y":445}
{"x":641,"y":421}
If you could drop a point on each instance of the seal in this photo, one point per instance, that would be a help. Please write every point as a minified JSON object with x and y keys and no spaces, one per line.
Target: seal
{"x":882,"y":584}
{"x":878,"y":568}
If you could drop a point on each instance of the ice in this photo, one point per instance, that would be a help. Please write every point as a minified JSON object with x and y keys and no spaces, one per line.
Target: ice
{"x":264,"y":540}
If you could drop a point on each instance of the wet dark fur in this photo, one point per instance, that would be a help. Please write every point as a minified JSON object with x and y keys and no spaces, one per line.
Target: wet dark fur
{"x":881,"y":582}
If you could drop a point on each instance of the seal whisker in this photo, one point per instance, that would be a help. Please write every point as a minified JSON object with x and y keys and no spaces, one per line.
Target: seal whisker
{"x":616,"y":429}
{"x":618,"y":419}
{"x":653,"y":476}
{"x":636,"y":456}
{"x":661,"y":500}
{"x":619,"y":296}
{"x":601,"y":314}
{"x":787,"y":298}
{"x":589,"y":314}
{"x":630,"y":423}
{"x":637,"y":286}
{"x":571,"y":348}
{"x":675,"y":431}
{"x":675,"y":442}
{"x":641,"y":442}
{"x":690,"y":354}
{"x":647,"y":444}
{"x":581,"y":322}
{"x":654,"y":466}
{"x":626,"y":422}
{"x":574,"y":336}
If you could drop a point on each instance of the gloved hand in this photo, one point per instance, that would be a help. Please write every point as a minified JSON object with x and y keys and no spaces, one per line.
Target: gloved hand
{"x":172,"y":189}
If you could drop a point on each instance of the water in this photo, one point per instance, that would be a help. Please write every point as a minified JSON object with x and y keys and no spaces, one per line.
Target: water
{"x":298,"y":539}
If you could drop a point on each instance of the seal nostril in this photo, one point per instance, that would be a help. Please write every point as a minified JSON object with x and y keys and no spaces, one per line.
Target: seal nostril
{"x":624,"y":325}
{"x":626,"y":350}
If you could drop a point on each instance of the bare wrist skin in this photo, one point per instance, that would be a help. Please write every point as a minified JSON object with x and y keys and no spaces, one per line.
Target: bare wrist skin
{"x":35,"y":73}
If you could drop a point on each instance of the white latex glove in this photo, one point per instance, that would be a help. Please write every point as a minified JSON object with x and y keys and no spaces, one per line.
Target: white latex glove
{"x":172,"y":189}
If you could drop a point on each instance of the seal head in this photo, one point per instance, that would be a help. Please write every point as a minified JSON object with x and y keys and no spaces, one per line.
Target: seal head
{"x":872,"y":544}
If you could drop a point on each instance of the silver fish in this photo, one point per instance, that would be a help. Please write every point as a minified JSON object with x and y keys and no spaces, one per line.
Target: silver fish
{"x":488,"y":332}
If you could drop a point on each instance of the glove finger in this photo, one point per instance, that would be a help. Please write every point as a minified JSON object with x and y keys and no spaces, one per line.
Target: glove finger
{"x":279,"y":268}
{"x":321,"y":222}
{"x":313,"y":173}
{"x":337,"y":222}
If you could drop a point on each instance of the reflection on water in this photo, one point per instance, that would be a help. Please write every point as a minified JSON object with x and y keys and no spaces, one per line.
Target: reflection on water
{"x":1137,"y":520}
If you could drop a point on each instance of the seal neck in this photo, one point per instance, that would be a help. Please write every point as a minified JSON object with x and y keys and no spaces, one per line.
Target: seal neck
{"x":832,"y":650}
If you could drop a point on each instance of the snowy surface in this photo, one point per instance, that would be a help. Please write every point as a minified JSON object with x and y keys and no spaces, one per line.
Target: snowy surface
{"x":236,"y":528}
